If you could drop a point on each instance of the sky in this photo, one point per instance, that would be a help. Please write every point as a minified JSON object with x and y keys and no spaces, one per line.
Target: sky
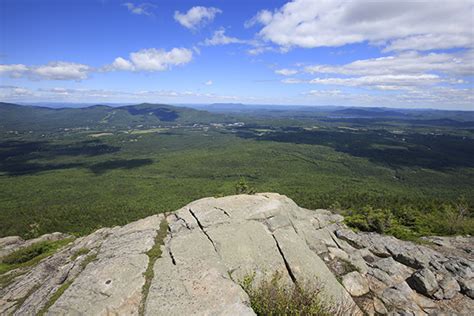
{"x":407,"y":54}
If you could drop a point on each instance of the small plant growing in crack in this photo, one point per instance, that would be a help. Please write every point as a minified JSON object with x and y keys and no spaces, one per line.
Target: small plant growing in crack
{"x":80,"y":252}
{"x":55,"y":297}
{"x":153,"y":254}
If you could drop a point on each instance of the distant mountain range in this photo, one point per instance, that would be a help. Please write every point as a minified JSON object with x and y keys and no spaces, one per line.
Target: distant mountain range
{"x":28,"y":117}
{"x":23,"y":117}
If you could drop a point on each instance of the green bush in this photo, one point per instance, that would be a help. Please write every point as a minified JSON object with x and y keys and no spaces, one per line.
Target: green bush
{"x":28,"y":253}
{"x":31,"y":255}
{"x":369,"y":219}
{"x":243,"y":188}
{"x":273,"y":297}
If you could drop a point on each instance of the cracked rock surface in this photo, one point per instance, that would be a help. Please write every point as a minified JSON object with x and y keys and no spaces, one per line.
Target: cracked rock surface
{"x":213,"y":243}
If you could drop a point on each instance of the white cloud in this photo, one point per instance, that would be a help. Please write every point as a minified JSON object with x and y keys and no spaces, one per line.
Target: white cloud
{"x":141,"y":9}
{"x":14,"y":70}
{"x":260,"y":49}
{"x":402,"y":71}
{"x":431,"y":42}
{"x":61,"y":71}
{"x":208,"y":83}
{"x":395,"y":24}
{"x":286,"y":72}
{"x":196,"y":16}
{"x":439,"y":97}
{"x":456,"y":64}
{"x":122,"y":64}
{"x":153,"y":59}
{"x":383,"y":82}
{"x":58,"y":70}
{"x":219,"y":38}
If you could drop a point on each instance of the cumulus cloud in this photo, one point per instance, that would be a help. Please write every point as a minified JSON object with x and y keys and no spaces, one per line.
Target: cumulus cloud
{"x":62,"y":71}
{"x":455,"y":64}
{"x":141,"y":9}
{"x":58,"y":70}
{"x":219,"y":38}
{"x":152,"y":59}
{"x":395,"y":72}
{"x":394,"y":24}
{"x":122,"y":64}
{"x":286,"y":72}
{"x":196,"y":16}
{"x":208,"y":83}
{"x":14,"y":70}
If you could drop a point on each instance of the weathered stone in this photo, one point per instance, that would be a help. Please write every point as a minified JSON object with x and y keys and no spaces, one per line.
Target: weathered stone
{"x":449,"y":287}
{"x":400,"y":299}
{"x":467,"y":287}
{"x":113,"y":283}
{"x":214,"y":243}
{"x":396,"y":271}
{"x":424,"y":281}
{"x":379,"y":306}
{"x":191,"y":279}
{"x":355,"y":284}
{"x":338,"y":253}
{"x":305,"y":265}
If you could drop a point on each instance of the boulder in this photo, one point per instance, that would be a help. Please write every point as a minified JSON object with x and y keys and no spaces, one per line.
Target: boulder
{"x":467,"y":287}
{"x":424,"y":281}
{"x":355,"y":284}
{"x":448,"y":287}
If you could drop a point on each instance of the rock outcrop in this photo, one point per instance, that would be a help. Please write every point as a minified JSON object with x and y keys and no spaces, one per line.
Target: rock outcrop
{"x":212,"y":244}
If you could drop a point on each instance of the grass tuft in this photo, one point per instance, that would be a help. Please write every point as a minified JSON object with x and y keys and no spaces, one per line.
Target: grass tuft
{"x":88,"y":259}
{"x":80,"y":252}
{"x":55,"y":297}
{"x":31,"y":255}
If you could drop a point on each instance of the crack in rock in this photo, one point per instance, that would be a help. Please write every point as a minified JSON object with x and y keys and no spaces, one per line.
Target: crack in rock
{"x":224,"y":211}
{"x":202,"y":229}
{"x":287,"y":265}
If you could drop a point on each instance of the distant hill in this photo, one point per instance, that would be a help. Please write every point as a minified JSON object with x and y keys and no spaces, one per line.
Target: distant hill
{"x":370,"y":112}
{"x":24,"y":117}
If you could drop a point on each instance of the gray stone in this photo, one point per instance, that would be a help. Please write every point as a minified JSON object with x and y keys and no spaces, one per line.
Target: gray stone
{"x":355,"y":284}
{"x":449,"y":287}
{"x":379,"y":307}
{"x":397,"y":271}
{"x":424,"y":281}
{"x":400,"y":299}
{"x":467,"y":287}
{"x":113,"y":283}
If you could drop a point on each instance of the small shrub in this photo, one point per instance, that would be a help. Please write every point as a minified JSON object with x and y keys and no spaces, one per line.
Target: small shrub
{"x":31,"y":255}
{"x":273,"y":297}
{"x":26,"y":254}
{"x":369,"y":219}
{"x":243,"y":188}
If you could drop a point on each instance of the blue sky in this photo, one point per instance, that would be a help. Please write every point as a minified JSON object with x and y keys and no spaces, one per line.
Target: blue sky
{"x":306,"y":52}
